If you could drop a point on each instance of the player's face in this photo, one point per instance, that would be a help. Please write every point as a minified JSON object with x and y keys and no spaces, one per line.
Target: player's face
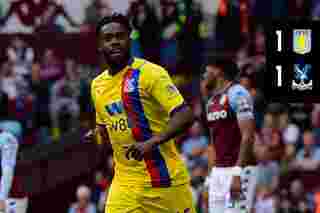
{"x":114,"y":42}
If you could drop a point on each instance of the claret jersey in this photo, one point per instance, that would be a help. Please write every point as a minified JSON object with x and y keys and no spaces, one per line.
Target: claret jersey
{"x":224,"y":110}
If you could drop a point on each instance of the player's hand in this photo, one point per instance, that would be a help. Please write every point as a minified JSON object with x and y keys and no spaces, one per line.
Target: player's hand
{"x":138,"y":150}
{"x":236,"y":188}
{"x":2,"y":206}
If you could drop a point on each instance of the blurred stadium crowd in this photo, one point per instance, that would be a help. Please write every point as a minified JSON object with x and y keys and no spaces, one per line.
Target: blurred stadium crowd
{"x":48,"y":94}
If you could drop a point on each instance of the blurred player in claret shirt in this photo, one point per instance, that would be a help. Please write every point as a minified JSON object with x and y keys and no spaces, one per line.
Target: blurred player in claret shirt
{"x":140,"y":112}
{"x":229,"y":115}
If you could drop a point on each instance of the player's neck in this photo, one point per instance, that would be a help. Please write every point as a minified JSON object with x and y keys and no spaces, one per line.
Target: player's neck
{"x":223,"y":84}
{"x":115,"y":68}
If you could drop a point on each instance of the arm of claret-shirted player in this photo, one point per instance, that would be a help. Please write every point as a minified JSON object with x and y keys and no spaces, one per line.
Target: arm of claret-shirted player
{"x":242,"y":104}
{"x":170,"y":99}
{"x":247,"y":128}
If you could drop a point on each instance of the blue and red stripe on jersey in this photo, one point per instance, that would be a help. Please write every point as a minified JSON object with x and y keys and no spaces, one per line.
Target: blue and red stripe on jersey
{"x":141,"y":130}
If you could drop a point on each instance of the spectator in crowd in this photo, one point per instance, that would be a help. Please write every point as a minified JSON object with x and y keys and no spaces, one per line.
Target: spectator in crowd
{"x":271,"y":136}
{"x":83,"y":204}
{"x":308,"y":157}
{"x":315,"y":122}
{"x":100,"y":190}
{"x":64,"y":99}
{"x":1,"y":9}
{"x":50,"y":11}
{"x":258,"y":50}
{"x":316,"y":11}
{"x":103,"y":184}
{"x":266,"y":202}
{"x":300,"y":9}
{"x":50,"y":71}
{"x":9,"y":80}
{"x":195,"y":145}
{"x":269,"y":170}
{"x":22,"y":108}
{"x":143,"y":17}
{"x":317,"y":200}
{"x":298,"y":197}
{"x":51,"y":67}
{"x":291,"y":134}
{"x":95,"y":11}
{"x":4,"y":104}
{"x":20,"y":100}
{"x":22,"y":56}
{"x":170,"y":30}
{"x":41,"y":92}
{"x":22,"y":9}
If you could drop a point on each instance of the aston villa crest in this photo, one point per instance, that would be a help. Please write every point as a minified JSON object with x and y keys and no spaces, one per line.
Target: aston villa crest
{"x":301,"y":41}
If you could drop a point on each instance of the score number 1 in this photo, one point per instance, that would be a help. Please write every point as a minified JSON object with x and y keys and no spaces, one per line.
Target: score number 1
{"x":279,"y":40}
{"x":279,"y":75}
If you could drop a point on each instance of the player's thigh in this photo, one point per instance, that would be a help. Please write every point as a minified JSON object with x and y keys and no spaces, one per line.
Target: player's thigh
{"x":169,"y":200}
{"x":122,"y":199}
{"x":183,"y":199}
{"x":219,"y":184}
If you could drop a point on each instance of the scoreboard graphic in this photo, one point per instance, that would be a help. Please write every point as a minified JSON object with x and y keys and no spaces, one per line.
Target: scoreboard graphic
{"x":293,"y":61}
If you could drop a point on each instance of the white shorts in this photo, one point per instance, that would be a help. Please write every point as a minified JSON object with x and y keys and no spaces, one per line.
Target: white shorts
{"x":219,"y":184}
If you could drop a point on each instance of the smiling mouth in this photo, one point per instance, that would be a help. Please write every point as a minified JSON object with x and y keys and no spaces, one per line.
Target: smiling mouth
{"x":116,"y":52}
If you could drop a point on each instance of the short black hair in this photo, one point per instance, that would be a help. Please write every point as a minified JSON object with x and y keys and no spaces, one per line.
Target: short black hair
{"x":226,"y":64}
{"x":116,"y":18}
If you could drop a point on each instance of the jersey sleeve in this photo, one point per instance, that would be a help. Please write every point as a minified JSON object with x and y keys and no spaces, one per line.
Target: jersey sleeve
{"x":99,"y":119}
{"x":165,"y":92}
{"x":241,"y":103}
